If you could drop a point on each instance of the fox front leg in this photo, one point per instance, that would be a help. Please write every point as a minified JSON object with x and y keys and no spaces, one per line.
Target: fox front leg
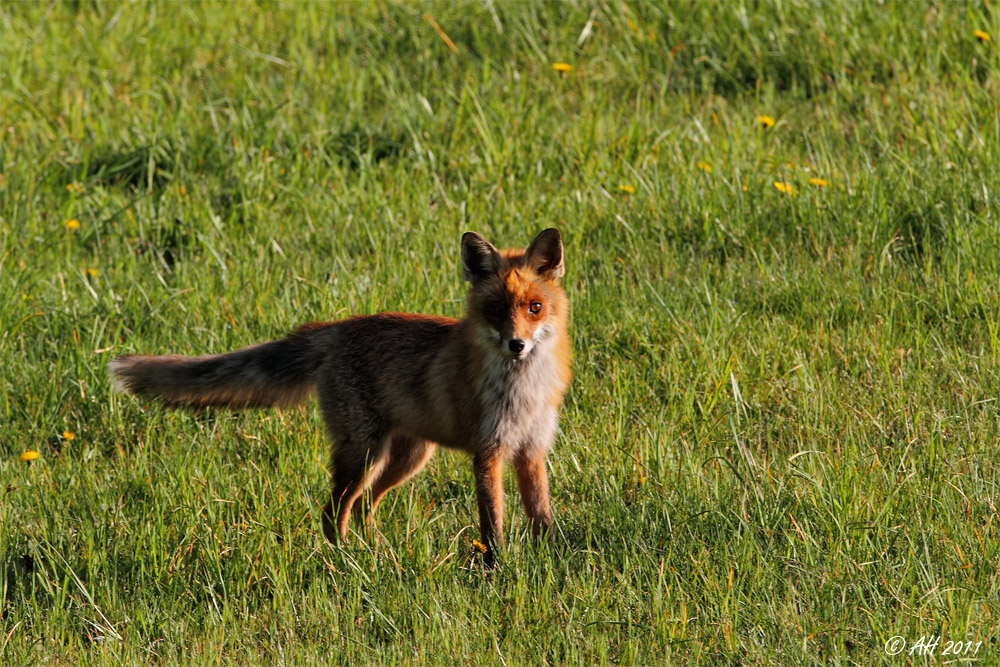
{"x":533,"y":483}
{"x":488,"y":471}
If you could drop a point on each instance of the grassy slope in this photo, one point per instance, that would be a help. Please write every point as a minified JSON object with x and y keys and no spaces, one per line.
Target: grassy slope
{"x":781,"y":444}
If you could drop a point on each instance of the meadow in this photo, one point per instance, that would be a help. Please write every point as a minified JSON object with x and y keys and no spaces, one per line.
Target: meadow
{"x":782,"y":236}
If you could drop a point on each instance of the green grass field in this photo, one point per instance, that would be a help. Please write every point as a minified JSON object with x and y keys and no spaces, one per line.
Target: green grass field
{"x":781,"y":443}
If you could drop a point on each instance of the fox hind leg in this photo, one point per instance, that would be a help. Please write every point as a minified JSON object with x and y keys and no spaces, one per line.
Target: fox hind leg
{"x":355,"y":463}
{"x":406,"y":457}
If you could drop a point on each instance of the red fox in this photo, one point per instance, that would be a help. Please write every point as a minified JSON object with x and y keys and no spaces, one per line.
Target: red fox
{"x":393,"y":386}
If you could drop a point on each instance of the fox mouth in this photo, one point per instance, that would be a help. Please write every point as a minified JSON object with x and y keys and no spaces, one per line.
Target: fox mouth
{"x":516,"y":348}
{"x":510,"y":349}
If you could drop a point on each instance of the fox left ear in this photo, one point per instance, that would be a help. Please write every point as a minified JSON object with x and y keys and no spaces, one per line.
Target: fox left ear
{"x":545,"y":254}
{"x":479,"y":258}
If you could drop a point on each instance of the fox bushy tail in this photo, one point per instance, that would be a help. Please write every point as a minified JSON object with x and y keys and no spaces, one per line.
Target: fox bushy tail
{"x":278,"y":373}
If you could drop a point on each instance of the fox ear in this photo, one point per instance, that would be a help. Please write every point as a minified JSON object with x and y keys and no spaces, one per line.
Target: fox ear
{"x":545,"y":254}
{"x":479,"y":258}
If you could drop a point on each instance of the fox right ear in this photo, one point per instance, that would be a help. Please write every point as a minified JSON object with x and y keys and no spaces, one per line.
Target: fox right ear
{"x":479,"y":258}
{"x":545,"y":254}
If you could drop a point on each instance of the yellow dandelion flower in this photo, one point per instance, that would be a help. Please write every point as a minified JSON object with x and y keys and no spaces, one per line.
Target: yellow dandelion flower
{"x":981,"y":35}
{"x":819,"y":182}
{"x":74,"y":187}
{"x":68,"y":435}
{"x":181,"y":190}
{"x":92,"y":273}
{"x":72,"y":224}
{"x":704,"y":166}
{"x":767,"y":122}
{"x":784,"y":188}
{"x":479,"y":546}
{"x":627,"y":188}
{"x":29,"y":455}
{"x":562,"y":68}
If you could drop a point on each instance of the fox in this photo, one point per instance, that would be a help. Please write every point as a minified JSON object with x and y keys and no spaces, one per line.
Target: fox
{"x":393,"y":387}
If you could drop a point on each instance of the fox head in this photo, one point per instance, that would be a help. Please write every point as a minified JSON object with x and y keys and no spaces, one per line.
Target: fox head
{"x":515,"y":302}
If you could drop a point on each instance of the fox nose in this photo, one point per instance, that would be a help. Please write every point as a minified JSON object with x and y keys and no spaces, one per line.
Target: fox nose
{"x":516,"y":345}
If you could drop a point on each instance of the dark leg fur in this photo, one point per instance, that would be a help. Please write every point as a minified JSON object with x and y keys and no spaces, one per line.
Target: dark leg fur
{"x":353,"y":466}
{"x":488,"y":471}
{"x":407,"y":456}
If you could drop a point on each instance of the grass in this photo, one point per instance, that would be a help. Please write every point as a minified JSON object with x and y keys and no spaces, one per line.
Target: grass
{"x":780,"y":446}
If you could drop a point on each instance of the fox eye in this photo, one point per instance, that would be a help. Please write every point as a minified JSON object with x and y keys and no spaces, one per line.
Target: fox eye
{"x":494,"y":310}
{"x":535,"y":307}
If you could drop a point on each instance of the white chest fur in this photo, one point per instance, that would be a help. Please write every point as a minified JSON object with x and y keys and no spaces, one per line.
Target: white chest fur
{"x":516,"y":398}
